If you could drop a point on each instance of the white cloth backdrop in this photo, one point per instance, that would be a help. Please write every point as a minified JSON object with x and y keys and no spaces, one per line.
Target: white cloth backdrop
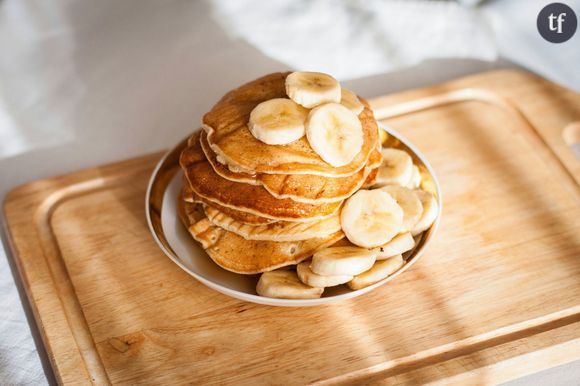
{"x":88,"y":82}
{"x":357,"y":38}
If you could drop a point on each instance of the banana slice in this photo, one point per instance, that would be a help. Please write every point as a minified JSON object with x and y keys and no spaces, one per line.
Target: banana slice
{"x":409,"y":202}
{"x":311,"y":89}
{"x":335,"y":133}
{"x":350,"y":101}
{"x":371,"y":218}
{"x":397,"y":168}
{"x":278,"y":121}
{"x":335,"y":261}
{"x":429,"y":214}
{"x":312,"y":279}
{"x":378,"y":272}
{"x":402,"y":243}
{"x":285,"y":285}
{"x":415,"y":181}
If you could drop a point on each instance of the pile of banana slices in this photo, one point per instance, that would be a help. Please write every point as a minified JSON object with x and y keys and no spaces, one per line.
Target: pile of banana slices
{"x":381,"y":224}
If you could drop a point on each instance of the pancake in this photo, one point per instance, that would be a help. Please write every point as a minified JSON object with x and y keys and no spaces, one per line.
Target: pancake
{"x":318,"y":189}
{"x":189,"y":213}
{"x":189,"y":196}
{"x":236,"y":254}
{"x":221,"y":168}
{"x":230,"y":138}
{"x":371,"y":179}
{"x":256,"y":200}
{"x":304,"y":188}
{"x":279,"y":231}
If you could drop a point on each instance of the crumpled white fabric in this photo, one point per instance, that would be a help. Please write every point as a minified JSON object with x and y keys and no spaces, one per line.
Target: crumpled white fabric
{"x":357,"y":38}
{"x":19,"y":362}
{"x":29,"y":30}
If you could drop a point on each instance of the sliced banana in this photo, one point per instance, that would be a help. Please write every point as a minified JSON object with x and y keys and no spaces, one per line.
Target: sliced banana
{"x":400,"y":244}
{"x":371,"y":218}
{"x":409,"y":202}
{"x":311,"y":89}
{"x":379,"y":271}
{"x":285,"y":285}
{"x":278,"y":121}
{"x":415,"y":180}
{"x":335,"y":261}
{"x":312,"y":279}
{"x":350,"y":101}
{"x":397,"y":167}
{"x":334,"y":133}
{"x":429,"y":214}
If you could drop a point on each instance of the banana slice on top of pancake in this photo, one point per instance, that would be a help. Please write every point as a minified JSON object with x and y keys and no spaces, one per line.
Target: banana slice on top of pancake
{"x":334,"y":133}
{"x":350,"y":101}
{"x":278,"y":121}
{"x":311,"y":89}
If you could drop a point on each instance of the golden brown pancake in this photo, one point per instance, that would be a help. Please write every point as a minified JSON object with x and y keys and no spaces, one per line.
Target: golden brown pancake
{"x":304,"y":188}
{"x":230,"y":138}
{"x":246,"y":218}
{"x":318,"y":189}
{"x":371,"y":179}
{"x":278,"y":231}
{"x":236,"y":254}
{"x":189,"y":213}
{"x":206,"y":183}
{"x":220,"y":168}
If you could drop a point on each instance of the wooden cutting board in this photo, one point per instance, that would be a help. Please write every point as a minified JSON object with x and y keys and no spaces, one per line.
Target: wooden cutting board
{"x":496,"y":296}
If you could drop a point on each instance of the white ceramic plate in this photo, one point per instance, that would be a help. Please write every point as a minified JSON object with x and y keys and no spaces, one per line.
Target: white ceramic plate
{"x":174,"y":239}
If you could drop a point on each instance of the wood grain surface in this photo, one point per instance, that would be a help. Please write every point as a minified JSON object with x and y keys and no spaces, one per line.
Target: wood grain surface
{"x":496,"y":296}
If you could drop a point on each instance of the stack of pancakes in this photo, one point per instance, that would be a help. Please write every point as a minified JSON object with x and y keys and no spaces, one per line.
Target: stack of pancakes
{"x":256,"y":207}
